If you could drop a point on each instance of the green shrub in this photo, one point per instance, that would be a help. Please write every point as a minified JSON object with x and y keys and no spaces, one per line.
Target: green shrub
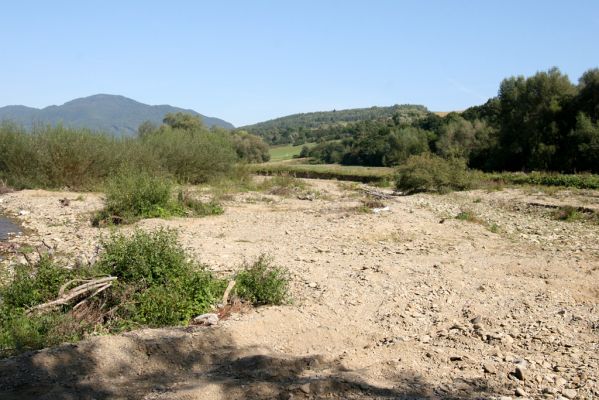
{"x":192,"y":157}
{"x":32,"y":285}
{"x":282,"y":185}
{"x":467,"y":216}
{"x":568,"y":214}
{"x":134,"y":195}
{"x":157,"y":285}
{"x":131,"y":196}
{"x":262,"y":283}
{"x":197,"y":207}
{"x":431,"y":173}
{"x":35,"y":284}
{"x":579,"y":181}
{"x":59,"y":157}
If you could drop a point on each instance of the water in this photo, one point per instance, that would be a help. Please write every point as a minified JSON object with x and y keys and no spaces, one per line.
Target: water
{"x":7,"y":227}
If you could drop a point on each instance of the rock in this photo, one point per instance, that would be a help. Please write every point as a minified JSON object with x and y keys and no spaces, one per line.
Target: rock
{"x":560,"y":382}
{"x":476,"y":320}
{"x":23,"y":212}
{"x":425,"y":339}
{"x":305,"y":388}
{"x":208,"y":319}
{"x":312,"y":285}
{"x":549,"y":390}
{"x":519,"y":373}
{"x":380,"y":210}
{"x":569,"y":393}
{"x":455,"y":358}
{"x":521,"y":393}
{"x":489,"y":368}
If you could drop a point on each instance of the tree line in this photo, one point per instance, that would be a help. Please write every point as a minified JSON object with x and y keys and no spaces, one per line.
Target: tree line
{"x":542,"y":122}
{"x":303,"y":128}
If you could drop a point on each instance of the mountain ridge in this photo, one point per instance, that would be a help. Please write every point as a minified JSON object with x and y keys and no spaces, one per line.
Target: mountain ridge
{"x":111,"y":113}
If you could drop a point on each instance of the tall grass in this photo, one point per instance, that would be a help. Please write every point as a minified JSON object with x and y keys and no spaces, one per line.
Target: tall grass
{"x":59,"y":157}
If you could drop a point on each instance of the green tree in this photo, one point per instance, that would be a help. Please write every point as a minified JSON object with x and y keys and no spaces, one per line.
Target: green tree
{"x":184,"y":121}
{"x":531,"y":110}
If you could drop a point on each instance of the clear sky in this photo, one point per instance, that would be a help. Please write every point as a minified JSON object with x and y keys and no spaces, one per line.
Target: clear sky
{"x":248,"y":61}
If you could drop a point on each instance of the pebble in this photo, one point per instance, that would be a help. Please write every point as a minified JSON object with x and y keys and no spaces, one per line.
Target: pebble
{"x":305,"y":388}
{"x":208,"y":319}
{"x":489,"y":368}
{"x":569,"y":393}
{"x":520,"y":392}
{"x":519,"y":373}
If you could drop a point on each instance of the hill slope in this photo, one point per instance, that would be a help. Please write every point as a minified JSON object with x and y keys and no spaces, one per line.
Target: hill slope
{"x":322,"y":119}
{"x":102,"y":112}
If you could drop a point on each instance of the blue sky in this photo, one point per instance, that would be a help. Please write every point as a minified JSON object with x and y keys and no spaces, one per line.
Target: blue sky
{"x":248,"y":61}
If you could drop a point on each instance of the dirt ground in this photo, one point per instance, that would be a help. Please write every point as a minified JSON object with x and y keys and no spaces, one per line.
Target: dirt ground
{"x":409,"y":303}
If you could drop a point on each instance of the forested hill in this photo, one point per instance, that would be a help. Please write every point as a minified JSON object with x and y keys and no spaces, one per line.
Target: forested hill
{"x":287,"y":129}
{"x":102,"y":112}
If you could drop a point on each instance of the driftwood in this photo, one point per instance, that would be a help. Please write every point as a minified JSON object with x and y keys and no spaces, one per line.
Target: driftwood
{"x":228,"y":292}
{"x":87,"y":290}
{"x":376,"y":194}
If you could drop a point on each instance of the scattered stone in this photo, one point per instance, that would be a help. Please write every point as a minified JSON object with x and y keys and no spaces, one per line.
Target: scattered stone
{"x":208,"y":319}
{"x":425,"y":339}
{"x":519,"y":373}
{"x":521,"y":393}
{"x":569,"y":393}
{"x":305,"y":388}
{"x":489,"y":368}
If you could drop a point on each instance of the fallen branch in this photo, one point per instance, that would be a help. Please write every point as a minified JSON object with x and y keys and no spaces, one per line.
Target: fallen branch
{"x":376,"y":194}
{"x":94,"y":287}
{"x":227,"y":292}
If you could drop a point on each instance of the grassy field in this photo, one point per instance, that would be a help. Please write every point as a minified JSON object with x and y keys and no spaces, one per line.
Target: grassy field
{"x":385,"y":175}
{"x":286,"y":152}
{"x":326,"y":171}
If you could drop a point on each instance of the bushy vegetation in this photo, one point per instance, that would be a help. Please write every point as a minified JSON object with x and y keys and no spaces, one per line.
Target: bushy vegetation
{"x":59,"y":157}
{"x":250,"y":148}
{"x":431,"y":173}
{"x":327,"y":171}
{"x":579,"y":181}
{"x":133,"y":195}
{"x":156,"y":285}
{"x":79,"y":159}
{"x":262,"y":283}
{"x":282,"y":185}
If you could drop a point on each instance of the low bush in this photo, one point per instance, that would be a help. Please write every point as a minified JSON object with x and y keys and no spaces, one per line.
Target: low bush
{"x":579,"y":181}
{"x":262,"y":282}
{"x":431,"y":173}
{"x":57,"y":157}
{"x":282,"y":185}
{"x":155,"y":285}
{"x":134,"y":195}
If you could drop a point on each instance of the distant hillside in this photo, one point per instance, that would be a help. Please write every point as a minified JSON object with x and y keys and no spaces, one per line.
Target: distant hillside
{"x":279,"y":130}
{"x":102,"y":112}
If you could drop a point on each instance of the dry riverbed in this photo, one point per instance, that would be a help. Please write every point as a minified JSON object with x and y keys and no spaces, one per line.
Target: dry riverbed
{"x":405,"y":303}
